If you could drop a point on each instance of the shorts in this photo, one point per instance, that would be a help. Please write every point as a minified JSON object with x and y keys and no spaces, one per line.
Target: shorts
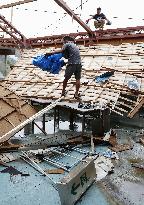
{"x":99,"y":24}
{"x":73,"y":69}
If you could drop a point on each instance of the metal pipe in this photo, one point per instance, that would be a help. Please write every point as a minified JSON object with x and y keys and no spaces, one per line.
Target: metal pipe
{"x":44,"y":132}
{"x":37,"y":167}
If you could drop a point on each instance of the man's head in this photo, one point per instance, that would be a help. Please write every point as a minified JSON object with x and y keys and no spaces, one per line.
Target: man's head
{"x":67,"y":39}
{"x":98,"y":10}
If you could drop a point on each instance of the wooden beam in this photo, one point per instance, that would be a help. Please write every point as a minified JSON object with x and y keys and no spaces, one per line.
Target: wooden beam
{"x":15,"y":3}
{"x":7,"y":27}
{"x":9,"y":134}
{"x":7,"y":51}
{"x":138,"y":105}
{"x":62,"y":4}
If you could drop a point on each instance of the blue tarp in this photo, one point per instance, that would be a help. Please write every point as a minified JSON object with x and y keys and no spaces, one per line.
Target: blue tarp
{"x":52,"y":63}
{"x":104,"y":77}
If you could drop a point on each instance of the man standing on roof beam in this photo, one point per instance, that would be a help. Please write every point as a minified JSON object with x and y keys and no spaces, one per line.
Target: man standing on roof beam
{"x":100,"y":19}
{"x":72,"y":53}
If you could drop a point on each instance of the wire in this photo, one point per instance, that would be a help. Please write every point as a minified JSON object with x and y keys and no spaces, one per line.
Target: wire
{"x":54,"y":12}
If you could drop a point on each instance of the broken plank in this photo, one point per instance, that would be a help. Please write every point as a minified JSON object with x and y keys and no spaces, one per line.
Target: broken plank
{"x":121,"y":147}
{"x":138,"y":105}
{"x":141,"y":140}
{"x":54,"y":171}
{"x":138,"y":165}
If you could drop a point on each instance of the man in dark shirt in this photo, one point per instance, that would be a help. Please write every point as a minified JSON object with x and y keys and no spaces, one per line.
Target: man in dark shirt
{"x":72,"y":53}
{"x":100,"y":19}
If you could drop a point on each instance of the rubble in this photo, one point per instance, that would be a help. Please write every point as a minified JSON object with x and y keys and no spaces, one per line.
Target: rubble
{"x":121,"y":147}
{"x":141,"y":140}
{"x":138,"y":165}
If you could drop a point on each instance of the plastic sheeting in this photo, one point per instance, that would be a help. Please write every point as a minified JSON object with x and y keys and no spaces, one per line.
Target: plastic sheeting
{"x":104,"y":77}
{"x":52,"y":63}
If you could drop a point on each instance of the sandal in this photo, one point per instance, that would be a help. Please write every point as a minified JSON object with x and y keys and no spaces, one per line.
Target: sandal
{"x":77,"y":96}
{"x":63,"y":94}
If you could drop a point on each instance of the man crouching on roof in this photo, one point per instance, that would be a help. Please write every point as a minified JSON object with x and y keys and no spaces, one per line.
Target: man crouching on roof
{"x":72,"y":53}
{"x":99,"y":19}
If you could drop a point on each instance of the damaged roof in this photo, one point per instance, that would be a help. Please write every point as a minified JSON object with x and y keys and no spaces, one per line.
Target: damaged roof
{"x":43,"y":18}
{"x":13,"y":111}
{"x":126,"y":60}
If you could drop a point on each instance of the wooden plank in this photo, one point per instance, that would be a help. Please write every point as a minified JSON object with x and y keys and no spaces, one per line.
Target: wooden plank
{"x":16,"y":103}
{"x":15,"y":3}
{"x":54,"y":171}
{"x":119,"y":113}
{"x":138,"y":105}
{"x":124,"y":104}
{"x":121,"y":147}
{"x":119,"y":108}
{"x":141,"y":140}
{"x":7,"y":157}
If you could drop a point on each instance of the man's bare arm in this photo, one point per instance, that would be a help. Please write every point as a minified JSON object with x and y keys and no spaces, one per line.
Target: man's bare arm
{"x":54,"y":52}
{"x":89,"y":19}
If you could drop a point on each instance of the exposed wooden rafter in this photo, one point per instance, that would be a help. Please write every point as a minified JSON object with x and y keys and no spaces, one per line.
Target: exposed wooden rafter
{"x":15,"y":4}
{"x":16,"y":35}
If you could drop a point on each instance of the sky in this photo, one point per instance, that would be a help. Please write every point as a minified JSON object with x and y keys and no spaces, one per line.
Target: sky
{"x":45,"y":17}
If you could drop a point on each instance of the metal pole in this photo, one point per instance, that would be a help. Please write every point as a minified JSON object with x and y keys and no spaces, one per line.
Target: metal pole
{"x":36,"y":166}
{"x":54,"y":119}
{"x":11,"y":14}
{"x":58,"y":118}
{"x":71,"y":120}
{"x":43,"y":121}
{"x":83,"y":124}
{"x":33,"y":127}
{"x":40,"y":128}
{"x":5,"y":72}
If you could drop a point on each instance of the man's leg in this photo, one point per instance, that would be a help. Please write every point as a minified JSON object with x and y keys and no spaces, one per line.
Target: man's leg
{"x":102,"y":23}
{"x":78,"y":77}
{"x":68,"y":74}
{"x":96,"y":24}
{"x":64,"y":86}
{"x":99,"y":24}
{"x":77,"y":87}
